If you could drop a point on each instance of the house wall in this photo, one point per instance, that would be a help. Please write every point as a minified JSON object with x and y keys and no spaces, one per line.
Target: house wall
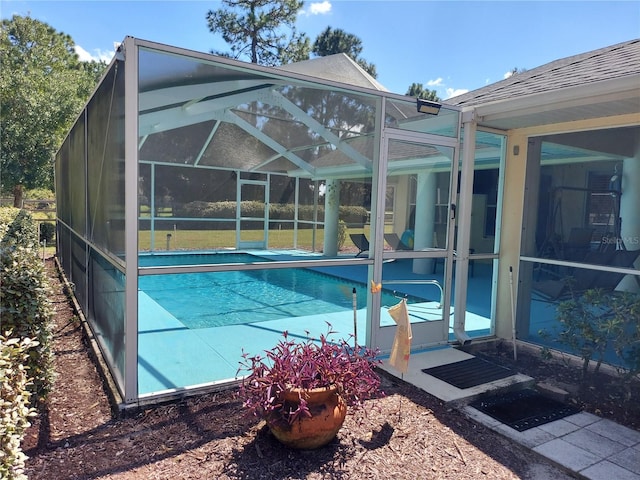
{"x":480,"y":242}
{"x":401,"y":203}
{"x":513,"y":209}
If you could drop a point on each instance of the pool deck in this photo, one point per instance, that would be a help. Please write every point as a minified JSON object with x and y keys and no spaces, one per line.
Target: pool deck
{"x":200,"y":356}
{"x":204,"y":355}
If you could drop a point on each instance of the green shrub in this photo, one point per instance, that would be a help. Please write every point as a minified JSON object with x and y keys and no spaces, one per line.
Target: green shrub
{"x":354,"y":215}
{"x":350,"y":214}
{"x":25,"y":307}
{"x":207,"y":210}
{"x":305,"y":212}
{"x":7,"y":216}
{"x":39,"y":194}
{"x":14,"y":404}
{"x":22,"y":231}
{"x":47,"y":232}
{"x":598,"y":322}
{"x":342,"y":234}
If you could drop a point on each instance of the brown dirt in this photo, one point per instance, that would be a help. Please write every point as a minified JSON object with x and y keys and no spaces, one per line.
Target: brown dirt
{"x":408,"y":434}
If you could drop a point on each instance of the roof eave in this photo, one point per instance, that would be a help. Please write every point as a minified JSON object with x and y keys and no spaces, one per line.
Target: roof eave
{"x":622,"y":88}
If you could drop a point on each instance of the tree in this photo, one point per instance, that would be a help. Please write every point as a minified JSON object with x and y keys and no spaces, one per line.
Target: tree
{"x":43,"y":86}
{"x":261,"y":30}
{"x":417,"y":90}
{"x":332,"y":41}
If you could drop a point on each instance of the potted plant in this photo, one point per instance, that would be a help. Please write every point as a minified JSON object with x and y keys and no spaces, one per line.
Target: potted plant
{"x":302,"y":389}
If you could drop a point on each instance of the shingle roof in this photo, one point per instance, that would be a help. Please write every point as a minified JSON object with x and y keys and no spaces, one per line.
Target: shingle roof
{"x":605,"y":63}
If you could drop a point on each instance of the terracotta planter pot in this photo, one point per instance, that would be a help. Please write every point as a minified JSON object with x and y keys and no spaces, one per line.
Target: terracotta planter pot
{"x":328,"y":411}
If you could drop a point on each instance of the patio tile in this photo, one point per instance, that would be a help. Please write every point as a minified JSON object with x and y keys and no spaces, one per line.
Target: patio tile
{"x":593,"y":442}
{"x":529,"y":438}
{"x":616,"y":432}
{"x":629,"y":459}
{"x":608,"y":471}
{"x":583,"y":419}
{"x":559,"y":428}
{"x":568,"y":455}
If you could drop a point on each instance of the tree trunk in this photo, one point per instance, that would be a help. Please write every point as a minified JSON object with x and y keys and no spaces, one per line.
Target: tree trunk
{"x":18,"y":194}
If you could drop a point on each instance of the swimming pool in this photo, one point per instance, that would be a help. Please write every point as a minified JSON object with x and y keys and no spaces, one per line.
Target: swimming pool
{"x":212,"y":299}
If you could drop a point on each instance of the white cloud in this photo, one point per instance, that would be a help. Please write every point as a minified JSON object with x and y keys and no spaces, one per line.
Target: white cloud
{"x":438,"y":82}
{"x":318,"y":8}
{"x":98,"y":55}
{"x":82,"y":54}
{"x":454,"y":92}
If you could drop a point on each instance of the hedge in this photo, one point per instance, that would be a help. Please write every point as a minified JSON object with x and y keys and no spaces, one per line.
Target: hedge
{"x":350,"y":214}
{"x":15,"y":409}
{"x":47,"y":232}
{"x":25,"y":307}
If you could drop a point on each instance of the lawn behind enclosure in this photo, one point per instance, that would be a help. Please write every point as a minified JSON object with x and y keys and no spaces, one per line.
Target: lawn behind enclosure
{"x":219,"y":239}
{"x":43,"y":210}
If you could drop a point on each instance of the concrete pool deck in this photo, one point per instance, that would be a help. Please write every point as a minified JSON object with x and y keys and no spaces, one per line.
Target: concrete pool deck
{"x":172,"y":356}
{"x":205,"y":355}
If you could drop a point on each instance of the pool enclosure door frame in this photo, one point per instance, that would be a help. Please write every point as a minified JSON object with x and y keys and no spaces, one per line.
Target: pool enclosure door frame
{"x":435,"y":331}
{"x":243,"y":220}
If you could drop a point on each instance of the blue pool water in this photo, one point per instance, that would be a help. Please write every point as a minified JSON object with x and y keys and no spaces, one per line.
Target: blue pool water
{"x":212,"y":299}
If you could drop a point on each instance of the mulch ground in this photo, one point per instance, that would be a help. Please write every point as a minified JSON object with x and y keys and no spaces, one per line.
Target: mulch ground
{"x":407,"y":434}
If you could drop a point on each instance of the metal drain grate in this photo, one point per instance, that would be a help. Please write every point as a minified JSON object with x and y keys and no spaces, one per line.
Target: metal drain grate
{"x":469,"y":373}
{"x":523,"y":409}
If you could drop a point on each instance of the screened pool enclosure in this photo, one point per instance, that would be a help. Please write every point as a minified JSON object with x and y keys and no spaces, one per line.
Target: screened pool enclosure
{"x":207,"y":205}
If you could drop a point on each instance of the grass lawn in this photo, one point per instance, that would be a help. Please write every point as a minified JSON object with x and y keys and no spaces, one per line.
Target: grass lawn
{"x":220,"y":239}
{"x":216,"y":239}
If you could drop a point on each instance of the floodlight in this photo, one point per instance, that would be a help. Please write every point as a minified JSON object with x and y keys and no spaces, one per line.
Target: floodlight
{"x":428,"y":107}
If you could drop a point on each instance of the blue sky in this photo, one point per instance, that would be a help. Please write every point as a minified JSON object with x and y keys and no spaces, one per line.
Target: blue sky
{"x":449,"y":46}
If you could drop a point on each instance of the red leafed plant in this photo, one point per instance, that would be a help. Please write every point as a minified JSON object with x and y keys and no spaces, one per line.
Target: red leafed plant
{"x":306,"y":365}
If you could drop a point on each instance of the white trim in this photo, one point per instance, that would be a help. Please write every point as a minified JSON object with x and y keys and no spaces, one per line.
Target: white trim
{"x":596,"y":92}
{"x":378,"y":184}
{"x":585,"y":266}
{"x":227,"y":267}
{"x":131,"y":221}
{"x":464,"y":227}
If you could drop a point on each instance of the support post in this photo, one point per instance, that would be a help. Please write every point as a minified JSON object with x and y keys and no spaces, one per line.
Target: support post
{"x":464,"y":225}
{"x":331,"y":214}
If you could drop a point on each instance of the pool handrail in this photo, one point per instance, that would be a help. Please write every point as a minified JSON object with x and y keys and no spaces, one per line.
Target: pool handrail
{"x":418,"y":282}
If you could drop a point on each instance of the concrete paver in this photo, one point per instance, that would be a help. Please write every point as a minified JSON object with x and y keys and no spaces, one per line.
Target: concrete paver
{"x":594,"y":443}
{"x":606,"y":470}
{"x":583,"y":419}
{"x":567,"y":454}
{"x":559,"y":427}
{"x":616,"y":432}
{"x":628,"y":458}
{"x":529,"y":438}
